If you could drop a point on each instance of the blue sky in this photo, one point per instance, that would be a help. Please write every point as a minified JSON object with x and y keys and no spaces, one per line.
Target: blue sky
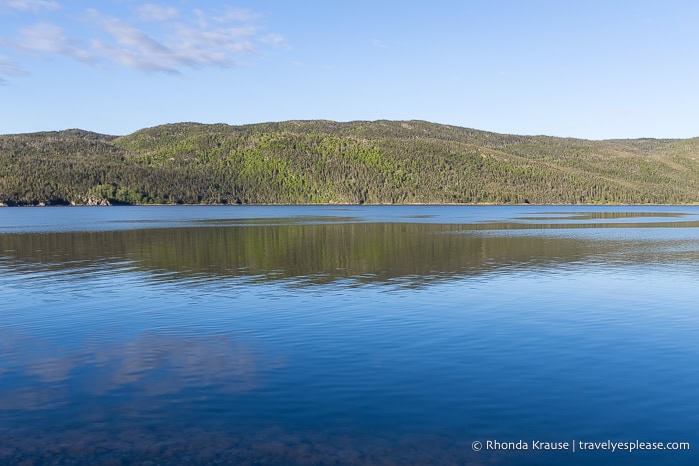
{"x":590,"y":69}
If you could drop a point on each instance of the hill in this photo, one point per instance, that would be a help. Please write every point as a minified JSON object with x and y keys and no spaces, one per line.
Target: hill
{"x":331,"y":162}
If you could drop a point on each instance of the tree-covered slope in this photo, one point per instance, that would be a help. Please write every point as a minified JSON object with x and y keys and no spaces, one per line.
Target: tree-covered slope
{"x":356,"y":162}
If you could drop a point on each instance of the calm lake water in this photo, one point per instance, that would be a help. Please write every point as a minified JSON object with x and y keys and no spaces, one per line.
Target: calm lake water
{"x":347,"y":335}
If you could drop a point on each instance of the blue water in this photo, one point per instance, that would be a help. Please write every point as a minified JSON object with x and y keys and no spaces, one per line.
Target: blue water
{"x":347,"y":335}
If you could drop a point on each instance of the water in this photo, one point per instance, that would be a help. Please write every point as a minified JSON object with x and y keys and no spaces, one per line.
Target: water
{"x":347,"y":335}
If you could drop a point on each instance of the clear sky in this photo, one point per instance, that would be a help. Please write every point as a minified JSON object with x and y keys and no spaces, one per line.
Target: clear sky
{"x":591,"y":69}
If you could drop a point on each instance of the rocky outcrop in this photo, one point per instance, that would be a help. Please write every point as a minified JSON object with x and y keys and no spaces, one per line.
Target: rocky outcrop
{"x":96,"y":201}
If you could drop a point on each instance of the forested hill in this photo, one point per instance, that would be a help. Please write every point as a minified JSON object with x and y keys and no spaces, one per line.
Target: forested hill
{"x":328,"y":162}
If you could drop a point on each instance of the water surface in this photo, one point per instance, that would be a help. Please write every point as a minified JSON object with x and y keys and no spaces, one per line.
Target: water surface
{"x":346,"y":335}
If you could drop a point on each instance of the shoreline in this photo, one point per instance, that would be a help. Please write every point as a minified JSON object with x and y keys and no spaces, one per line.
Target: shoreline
{"x":437,"y":204}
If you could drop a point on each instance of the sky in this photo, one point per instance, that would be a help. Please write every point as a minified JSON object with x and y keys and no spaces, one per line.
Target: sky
{"x":587,"y":69}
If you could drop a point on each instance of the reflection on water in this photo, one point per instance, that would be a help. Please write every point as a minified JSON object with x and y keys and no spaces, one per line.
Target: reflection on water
{"x":152,"y":365}
{"x":313,"y":253}
{"x":602,"y":215}
{"x":342,"y":339}
{"x":317,"y":253}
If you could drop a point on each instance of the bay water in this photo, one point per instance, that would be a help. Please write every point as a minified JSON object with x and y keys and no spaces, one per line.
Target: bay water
{"x":349,"y":335}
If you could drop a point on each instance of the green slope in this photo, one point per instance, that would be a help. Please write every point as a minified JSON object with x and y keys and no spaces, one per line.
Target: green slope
{"x":356,"y":162}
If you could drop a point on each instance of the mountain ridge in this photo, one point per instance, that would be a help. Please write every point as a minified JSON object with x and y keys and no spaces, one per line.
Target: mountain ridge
{"x":323,"y":161}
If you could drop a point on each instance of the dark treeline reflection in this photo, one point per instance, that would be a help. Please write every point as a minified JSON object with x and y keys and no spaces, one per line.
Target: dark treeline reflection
{"x":314,"y":253}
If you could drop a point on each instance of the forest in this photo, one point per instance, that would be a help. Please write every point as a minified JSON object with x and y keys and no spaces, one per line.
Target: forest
{"x":321,"y":162}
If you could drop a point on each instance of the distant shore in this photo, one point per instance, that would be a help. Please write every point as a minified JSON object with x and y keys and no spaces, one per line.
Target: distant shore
{"x":356,"y":163}
{"x":349,"y":205}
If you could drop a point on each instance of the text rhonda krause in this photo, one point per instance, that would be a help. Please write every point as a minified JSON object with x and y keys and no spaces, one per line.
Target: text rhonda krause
{"x":581,"y":445}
